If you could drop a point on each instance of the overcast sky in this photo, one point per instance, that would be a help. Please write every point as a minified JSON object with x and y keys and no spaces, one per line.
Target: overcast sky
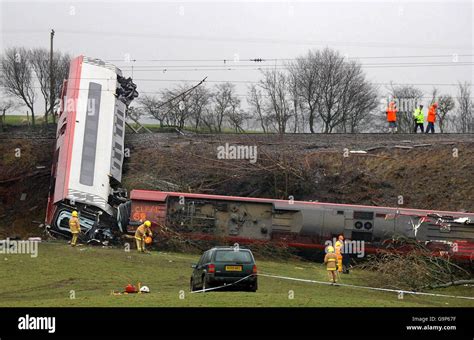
{"x":425,"y":32}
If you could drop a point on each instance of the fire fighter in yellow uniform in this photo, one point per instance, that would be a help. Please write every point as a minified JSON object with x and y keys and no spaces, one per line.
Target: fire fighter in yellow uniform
{"x":142,"y":231}
{"x":339,"y":249}
{"x":75,"y":227}
{"x":330,"y":261}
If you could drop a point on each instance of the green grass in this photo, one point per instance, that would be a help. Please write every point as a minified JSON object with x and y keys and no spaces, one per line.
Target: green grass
{"x":93,"y":272}
{"x":18,"y":120}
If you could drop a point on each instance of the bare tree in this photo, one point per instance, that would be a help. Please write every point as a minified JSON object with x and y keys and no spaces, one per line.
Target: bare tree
{"x":177,"y":108}
{"x":224,"y":101}
{"x":255,"y":101}
{"x":407,"y":97}
{"x":464,"y":107}
{"x":39,"y":59}
{"x":199,"y":100}
{"x":445,"y":105}
{"x":17,"y":77}
{"x":305,"y":74}
{"x":236,"y":117}
{"x":275,"y":87}
{"x":296,"y":101}
{"x":6,"y":105}
{"x":333,"y":89}
{"x":151,"y":106}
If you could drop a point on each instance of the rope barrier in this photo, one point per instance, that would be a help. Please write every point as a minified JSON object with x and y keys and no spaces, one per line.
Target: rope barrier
{"x":339,"y":284}
{"x":370,"y":288}
{"x":229,"y":285}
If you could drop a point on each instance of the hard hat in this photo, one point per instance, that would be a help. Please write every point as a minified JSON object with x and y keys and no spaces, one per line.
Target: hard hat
{"x":330,"y":249}
{"x":148,"y":223}
{"x":74,"y":213}
{"x":148,"y":240}
{"x":145,"y":289}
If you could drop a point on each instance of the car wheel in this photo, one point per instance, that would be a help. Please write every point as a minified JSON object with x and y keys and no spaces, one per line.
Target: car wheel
{"x":253,"y":288}
{"x":205,"y":283}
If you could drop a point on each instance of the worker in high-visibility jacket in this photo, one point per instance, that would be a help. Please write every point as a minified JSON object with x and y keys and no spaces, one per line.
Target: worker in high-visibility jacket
{"x":431,"y":118}
{"x":330,"y":261}
{"x":419,"y":118}
{"x":339,"y":248}
{"x":75,"y":227}
{"x":392,"y":117}
{"x":142,"y":231}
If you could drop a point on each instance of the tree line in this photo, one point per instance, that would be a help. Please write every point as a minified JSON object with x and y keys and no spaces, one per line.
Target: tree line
{"x":24,"y":71}
{"x":319,"y":92}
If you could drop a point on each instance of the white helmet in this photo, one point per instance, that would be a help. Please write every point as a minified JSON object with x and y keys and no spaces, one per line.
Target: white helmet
{"x":145,"y":289}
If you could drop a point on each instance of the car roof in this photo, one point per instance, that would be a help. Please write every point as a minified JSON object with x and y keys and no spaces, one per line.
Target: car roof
{"x":229,"y":248}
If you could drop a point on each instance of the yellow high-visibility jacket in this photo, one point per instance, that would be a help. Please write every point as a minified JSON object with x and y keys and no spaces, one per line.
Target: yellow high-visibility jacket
{"x":418,"y":115}
{"x":74,"y":225}
{"x":142,"y":231}
{"x":330,"y":260}
{"x":338,"y":247}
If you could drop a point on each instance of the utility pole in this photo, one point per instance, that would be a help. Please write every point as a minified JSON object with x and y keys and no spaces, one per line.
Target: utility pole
{"x":51,"y":78}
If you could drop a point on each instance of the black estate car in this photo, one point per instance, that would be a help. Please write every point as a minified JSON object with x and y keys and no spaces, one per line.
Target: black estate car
{"x":223,"y":266}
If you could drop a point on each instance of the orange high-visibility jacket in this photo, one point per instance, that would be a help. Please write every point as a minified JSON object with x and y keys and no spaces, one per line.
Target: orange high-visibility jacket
{"x":432,"y":114}
{"x":391,"y":113}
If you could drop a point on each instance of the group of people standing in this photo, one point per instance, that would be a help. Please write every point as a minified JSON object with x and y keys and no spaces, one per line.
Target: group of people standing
{"x":336,"y":260}
{"x":418,"y":118}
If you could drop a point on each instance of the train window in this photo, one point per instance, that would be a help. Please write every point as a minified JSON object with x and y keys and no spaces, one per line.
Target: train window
{"x":363,"y":215}
{"x":63,"y":129}
{"x":118,"y":146}
{"x":119,"y":122}
{"x":340,"y":212}
{"x":381,"y":215}
{"x":119,"y":132}
{"x":89,"y":143}
{"x":120,"y":113}
{"x":117,"y":165}
{"x":118,"y":156}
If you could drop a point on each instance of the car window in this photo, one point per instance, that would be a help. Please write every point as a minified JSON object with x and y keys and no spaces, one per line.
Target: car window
{"x":201,"y":260}
{"x":207,"y":257}
{"x":233,"y":256}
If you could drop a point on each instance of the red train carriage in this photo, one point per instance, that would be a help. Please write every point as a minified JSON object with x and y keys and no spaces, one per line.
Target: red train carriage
{"x":302,"y":224}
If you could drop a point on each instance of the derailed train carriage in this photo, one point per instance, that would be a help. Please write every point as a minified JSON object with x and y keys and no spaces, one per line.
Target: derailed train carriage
{"x":87,"y":170}
{"x":305,"y":225}
{"x":89,"y":151}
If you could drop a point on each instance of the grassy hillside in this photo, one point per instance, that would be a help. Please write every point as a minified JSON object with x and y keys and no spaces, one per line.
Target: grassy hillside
{"x":93,"y":272}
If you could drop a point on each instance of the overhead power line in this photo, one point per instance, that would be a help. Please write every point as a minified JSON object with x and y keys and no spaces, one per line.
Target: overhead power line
{"x":231,"y":60}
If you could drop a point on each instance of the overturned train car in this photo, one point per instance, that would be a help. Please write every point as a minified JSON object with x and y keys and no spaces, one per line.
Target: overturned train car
{"x":89,"y":151}
{"x":302,"y":224}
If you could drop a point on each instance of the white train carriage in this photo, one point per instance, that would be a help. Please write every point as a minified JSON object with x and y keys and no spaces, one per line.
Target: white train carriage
{"x":87,"y":166}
